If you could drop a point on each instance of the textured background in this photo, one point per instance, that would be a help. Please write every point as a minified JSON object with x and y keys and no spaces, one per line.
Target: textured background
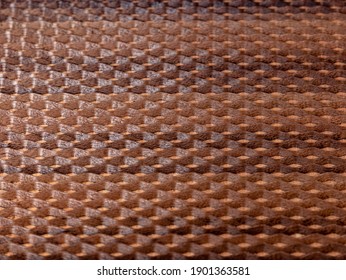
{"x":172,"y":129}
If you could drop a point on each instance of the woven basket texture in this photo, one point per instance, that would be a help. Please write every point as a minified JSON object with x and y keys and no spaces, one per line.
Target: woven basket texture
{"x":172,"y":129}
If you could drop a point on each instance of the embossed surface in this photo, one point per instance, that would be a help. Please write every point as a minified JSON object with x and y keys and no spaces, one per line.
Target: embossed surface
{"x":172,"y":130}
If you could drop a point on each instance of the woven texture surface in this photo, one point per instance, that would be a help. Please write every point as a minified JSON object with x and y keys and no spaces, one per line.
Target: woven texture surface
{"x":172,"y":130}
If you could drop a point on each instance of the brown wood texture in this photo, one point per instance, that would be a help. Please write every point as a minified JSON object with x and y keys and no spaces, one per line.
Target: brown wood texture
{"x":172,"y":129}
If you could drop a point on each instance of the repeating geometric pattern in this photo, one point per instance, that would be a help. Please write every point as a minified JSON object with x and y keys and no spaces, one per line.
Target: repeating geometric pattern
{"x":172,"y":129}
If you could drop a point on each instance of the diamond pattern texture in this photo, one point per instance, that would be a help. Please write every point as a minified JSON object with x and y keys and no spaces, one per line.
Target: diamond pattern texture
{"x":172,"y":129}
